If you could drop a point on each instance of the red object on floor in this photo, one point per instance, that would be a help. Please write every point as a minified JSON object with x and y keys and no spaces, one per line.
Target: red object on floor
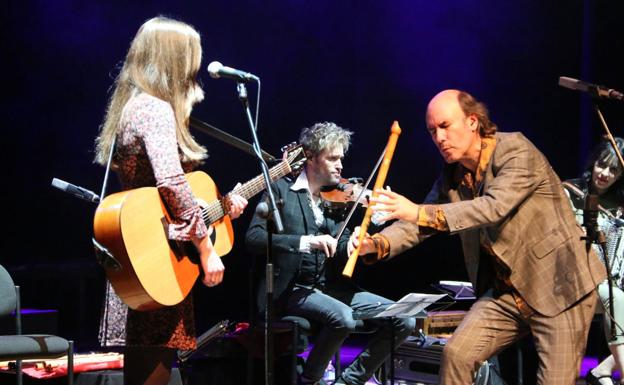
{"x":57,"y":367}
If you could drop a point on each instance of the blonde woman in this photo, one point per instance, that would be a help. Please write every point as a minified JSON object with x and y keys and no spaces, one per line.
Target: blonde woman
{"x":147,"y":117}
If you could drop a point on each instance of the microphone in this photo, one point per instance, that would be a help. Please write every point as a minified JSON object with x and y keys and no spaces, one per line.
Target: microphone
{"x":592,"y":89}
{"x":590,"y":216}
{"x":218,"y":70}
{"x":262,"y":210}
{"x":76,"y":191}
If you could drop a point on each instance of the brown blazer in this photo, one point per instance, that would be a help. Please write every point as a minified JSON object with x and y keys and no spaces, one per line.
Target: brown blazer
{"x":524,"y":213}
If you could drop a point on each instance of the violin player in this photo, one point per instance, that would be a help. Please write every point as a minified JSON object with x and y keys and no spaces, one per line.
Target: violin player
{"x":305,"y":285}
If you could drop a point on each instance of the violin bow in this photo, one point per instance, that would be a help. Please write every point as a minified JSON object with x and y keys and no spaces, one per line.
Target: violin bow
{"x":395,"y":131}
{"x":343,"y":227}
{"x":360,"y":195}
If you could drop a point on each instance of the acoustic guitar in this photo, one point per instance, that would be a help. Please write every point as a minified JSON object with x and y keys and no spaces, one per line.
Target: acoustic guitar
{"x":152,"y":271}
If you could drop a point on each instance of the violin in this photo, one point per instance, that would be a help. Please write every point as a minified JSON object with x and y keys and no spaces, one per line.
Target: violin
{"x":339,"y":198}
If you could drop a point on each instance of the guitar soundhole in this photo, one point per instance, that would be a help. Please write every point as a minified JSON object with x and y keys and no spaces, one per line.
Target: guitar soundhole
{"x":213,"y":235}
{"x":182,"y":249}
{"x":192,"y":252}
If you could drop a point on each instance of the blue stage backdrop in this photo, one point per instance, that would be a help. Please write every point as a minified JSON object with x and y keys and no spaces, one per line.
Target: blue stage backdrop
{"x":361,"y":64}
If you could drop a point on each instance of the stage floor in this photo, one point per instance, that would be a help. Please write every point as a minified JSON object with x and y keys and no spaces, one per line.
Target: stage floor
{"x":234,"y":371}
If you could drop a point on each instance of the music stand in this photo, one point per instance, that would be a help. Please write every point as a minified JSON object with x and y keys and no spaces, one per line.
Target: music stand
{"x":411,"y":305}
{"x":218,"y":330}
{"x":458,"y":290}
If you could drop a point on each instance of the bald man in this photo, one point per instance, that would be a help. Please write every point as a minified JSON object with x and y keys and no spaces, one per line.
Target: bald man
{"x":522,"y":246}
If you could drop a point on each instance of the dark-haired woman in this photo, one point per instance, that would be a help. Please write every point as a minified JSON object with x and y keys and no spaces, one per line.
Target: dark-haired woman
{"x":603,"y":176}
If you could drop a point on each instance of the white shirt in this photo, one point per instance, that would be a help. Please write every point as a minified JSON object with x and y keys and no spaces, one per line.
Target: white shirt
{"x":302,"y":184}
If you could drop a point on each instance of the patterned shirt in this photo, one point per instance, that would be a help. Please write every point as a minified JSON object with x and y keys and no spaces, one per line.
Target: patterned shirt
{"x":147,"y":154}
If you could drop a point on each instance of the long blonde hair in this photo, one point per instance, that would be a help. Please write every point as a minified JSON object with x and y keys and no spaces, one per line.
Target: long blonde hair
{"x":163,"y":61}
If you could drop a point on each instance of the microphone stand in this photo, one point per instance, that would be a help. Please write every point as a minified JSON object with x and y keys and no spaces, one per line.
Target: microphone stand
{"x":590,"y":212}
{"x":597,"y":236}
{"x":274,"y":224}
{"x":269,"y":311}
{"x":242,"y":96}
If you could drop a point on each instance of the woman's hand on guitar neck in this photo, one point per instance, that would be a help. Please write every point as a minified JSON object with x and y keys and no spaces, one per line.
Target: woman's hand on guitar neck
{"x":235,"y":203}
{"x":210,"y":262}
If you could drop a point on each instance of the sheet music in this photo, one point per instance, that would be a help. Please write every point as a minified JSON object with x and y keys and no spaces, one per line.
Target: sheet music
{"x":456,"y":289}
{"x":410,"y":305}
{"x":456,"y":283}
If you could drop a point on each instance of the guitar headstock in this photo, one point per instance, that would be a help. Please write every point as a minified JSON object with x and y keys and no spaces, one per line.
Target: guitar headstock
{"x":289,"y":147}
{"x":295,"y":156}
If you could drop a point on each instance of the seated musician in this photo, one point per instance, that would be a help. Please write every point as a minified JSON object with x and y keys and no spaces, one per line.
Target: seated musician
{"x":308,"y":260}
{"x":602,"y":176}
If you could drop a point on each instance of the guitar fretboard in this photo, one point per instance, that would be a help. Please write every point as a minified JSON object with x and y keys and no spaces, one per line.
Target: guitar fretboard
{"x":215,"y":210}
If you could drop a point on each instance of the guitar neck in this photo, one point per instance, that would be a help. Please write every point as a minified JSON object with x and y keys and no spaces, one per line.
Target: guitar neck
{"x":215,"y":210}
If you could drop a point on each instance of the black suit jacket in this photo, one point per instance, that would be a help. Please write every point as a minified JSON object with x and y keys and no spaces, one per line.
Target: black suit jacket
{"x":298,"y":220}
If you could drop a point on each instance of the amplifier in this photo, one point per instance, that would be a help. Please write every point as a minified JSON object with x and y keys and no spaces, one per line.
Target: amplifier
{"x":440,"y":324}
{"x":417,"y":361}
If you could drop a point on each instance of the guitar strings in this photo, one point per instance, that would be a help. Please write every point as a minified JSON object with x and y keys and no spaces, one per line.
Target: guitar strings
{"x":215,"y":210}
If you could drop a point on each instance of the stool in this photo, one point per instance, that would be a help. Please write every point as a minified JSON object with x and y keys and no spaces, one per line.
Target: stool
{"x":302,"y":327}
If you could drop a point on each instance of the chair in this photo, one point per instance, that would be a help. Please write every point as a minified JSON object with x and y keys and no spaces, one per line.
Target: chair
{"x":303,"y":328}
{"x":18,"y":346}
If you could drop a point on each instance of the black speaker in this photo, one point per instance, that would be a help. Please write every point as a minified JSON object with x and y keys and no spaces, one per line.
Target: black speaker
{"x":418,"y":362}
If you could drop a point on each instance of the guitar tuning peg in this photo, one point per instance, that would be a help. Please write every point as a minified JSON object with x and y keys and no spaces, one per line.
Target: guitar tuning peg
{"x":288,"y":147}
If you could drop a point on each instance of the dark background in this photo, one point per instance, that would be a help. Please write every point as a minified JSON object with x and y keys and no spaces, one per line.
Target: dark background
{"x":361,"y":64}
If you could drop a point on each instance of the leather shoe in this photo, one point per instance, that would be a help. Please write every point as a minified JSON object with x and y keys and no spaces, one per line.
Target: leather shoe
{"x":591,"y":379}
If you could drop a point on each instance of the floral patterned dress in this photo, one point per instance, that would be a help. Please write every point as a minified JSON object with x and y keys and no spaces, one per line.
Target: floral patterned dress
{"x":147,"y":154}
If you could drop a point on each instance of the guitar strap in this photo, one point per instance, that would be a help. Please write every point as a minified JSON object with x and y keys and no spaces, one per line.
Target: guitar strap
{"x":108,"y":168}
{"x":102,"y":255}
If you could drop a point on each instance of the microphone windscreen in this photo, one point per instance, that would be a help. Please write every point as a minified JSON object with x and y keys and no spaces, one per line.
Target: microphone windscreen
{"x":262,"y":210}
{"x":59,"y":184}
{"x":568,"y":83}
{"x":214,"y":68}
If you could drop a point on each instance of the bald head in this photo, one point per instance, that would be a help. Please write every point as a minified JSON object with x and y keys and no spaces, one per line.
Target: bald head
{"x":444,"y":98}
{"x":468,"y":104}
{"x":455,"y":133}
{"x":445,"y":101}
